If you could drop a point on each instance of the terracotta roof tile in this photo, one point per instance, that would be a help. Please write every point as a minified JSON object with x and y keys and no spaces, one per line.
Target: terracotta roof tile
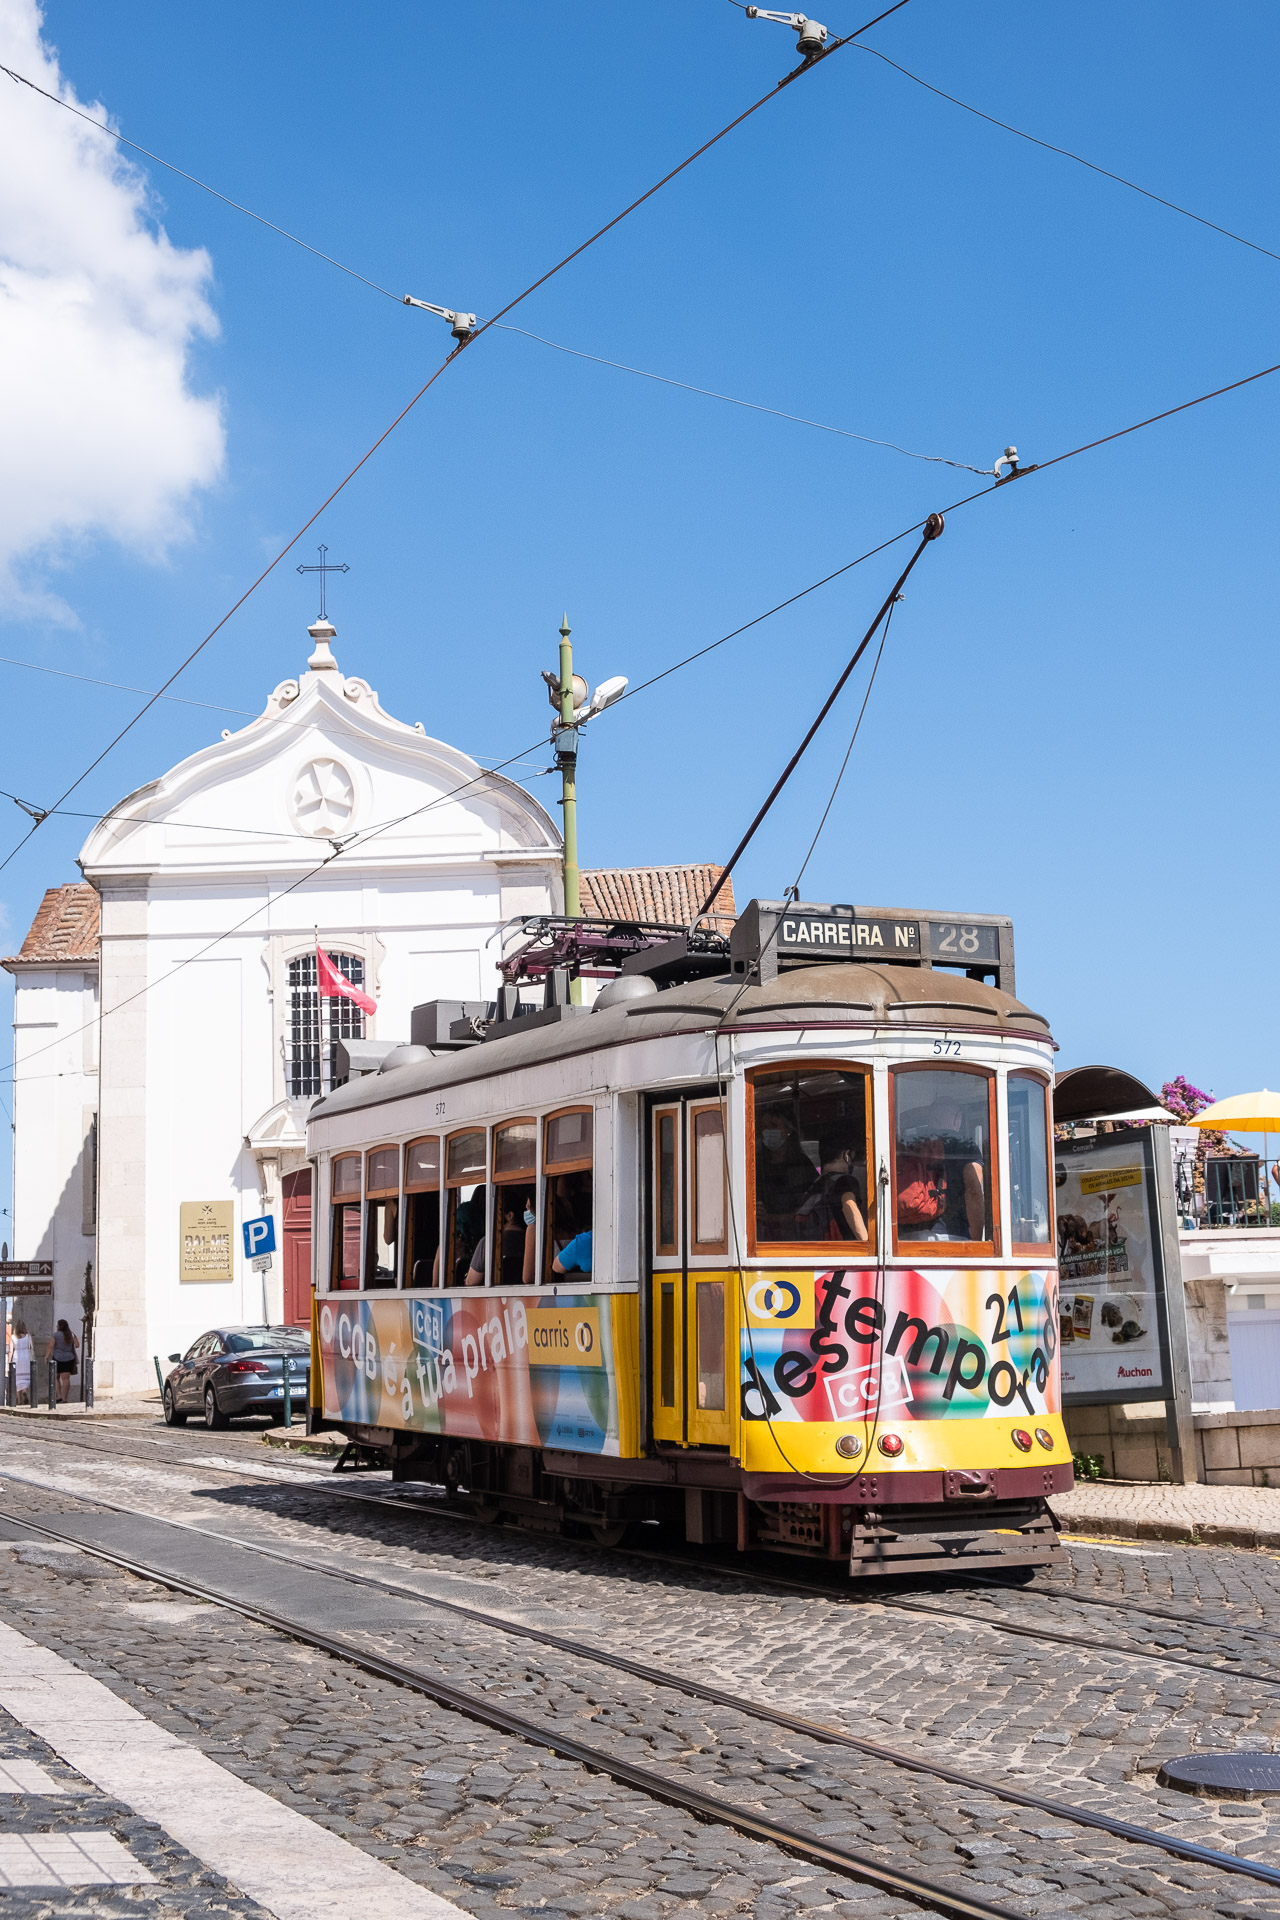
{"x":65,"y":928}
{"x":669,"y":894}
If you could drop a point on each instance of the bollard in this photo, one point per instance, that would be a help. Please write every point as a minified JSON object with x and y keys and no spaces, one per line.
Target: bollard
{"x":288,"y":1391}
{"x":53,"y":1385}
{"x":11,"y":1386}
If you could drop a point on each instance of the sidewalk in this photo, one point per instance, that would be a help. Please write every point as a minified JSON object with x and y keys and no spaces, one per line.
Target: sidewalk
{"x":123,"y":1406}
{"x":1147,"y":1510}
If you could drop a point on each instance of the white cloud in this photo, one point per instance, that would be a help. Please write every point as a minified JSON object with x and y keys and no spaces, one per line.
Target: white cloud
{"x":101,"y":433}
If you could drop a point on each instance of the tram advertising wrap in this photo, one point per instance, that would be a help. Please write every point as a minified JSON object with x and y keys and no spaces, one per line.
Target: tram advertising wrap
{"x":901,"y":1348}
{"x":1111,"y":1279}
{"x":529,"y":1373}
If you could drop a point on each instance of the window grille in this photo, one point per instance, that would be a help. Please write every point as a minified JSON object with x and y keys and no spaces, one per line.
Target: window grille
{"x":315,"y":1024}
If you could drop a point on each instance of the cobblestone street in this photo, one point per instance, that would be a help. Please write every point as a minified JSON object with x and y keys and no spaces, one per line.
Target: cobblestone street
{"x":1123,"y":1659}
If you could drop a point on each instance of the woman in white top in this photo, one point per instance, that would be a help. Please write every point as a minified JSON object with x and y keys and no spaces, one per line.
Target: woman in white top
{"x":23,"y":1353}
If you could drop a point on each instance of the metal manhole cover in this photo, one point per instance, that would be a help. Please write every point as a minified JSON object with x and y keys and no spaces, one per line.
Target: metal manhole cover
{"x":1228,"y":1776}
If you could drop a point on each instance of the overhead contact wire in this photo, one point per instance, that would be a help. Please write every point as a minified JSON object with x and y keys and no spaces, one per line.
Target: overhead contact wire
{"x":463,"y":344}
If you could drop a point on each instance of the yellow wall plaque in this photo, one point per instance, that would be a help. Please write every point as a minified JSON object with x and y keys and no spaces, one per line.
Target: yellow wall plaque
{"x":205,"y":1239}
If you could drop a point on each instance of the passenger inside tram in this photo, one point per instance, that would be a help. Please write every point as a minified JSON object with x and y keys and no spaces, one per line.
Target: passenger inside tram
{"x":569,"y":1205}
{"x":943,"y":1149}
{"x":517,"y":1244}
{"x":811,"y":1157}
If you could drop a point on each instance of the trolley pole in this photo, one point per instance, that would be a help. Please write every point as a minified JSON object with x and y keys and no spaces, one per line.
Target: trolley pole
{"x":566,"y":746}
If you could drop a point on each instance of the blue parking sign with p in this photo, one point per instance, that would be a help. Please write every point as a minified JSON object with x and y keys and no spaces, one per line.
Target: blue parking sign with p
{"x":259,"y":1236}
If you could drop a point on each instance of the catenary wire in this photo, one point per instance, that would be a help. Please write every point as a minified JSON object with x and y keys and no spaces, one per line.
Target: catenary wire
{"x":461,"y":347}
{"x":753,"y":406}
{"x":1067,"y":154}
{"x":577,"y":353}
{"x":853,"y":741}
{"x":118,"y":686}
{"x":101,"y":127}
{"x":981,"y":493}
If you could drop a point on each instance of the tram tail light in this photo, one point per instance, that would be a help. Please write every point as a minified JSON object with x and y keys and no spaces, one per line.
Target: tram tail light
{"x":848,"y":1446}
{"x":1021,"y":1439}
{"x":1045,"y":1438}
{"x":891,"y":1443}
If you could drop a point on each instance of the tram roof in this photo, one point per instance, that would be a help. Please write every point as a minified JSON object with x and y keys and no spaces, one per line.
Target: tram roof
{"x":895,"y":999}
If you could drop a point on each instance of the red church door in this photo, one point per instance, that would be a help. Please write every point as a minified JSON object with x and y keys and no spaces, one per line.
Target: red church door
{"x":296,"y":1195}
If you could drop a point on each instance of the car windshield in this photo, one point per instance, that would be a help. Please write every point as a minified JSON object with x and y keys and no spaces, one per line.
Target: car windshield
{"x":255,"y":1339}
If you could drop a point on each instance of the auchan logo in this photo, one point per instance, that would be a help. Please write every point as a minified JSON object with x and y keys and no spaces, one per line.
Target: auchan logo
{"x":1134,"y":1373}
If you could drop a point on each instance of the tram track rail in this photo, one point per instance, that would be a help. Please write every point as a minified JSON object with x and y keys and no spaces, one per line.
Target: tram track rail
{"x":759,"y":1578}
{"x":477,"y":1707}
{"x":793,"y":1841}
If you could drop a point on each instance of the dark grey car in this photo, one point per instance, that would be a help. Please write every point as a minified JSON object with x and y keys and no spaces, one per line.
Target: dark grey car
{"x":238,"y":1370}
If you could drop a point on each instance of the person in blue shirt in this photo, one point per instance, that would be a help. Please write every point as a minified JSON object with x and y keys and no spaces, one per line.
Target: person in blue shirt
{"x":575,"y":1257}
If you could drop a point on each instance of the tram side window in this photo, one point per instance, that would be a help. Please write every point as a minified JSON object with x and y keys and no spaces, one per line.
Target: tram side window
{"x":1028,"y":1160}
{"x":942,"y":1157}
{"x":344,"y":1236}
{"x":422,"y":1213}
{"x":382,"y":1217}
{"x":566,"y":1161}
{"x":812,"y":1151}
{"x":468,"y":1194}
{"x":515,"y":1233}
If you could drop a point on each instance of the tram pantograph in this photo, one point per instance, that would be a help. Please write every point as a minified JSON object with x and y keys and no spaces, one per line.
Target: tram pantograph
{"x":759,"y":1245}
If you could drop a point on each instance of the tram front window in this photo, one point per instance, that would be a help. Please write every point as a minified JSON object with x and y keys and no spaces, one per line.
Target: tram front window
{"x":1028,"y":1161}
{"x":942,"y":1159}
{"x":811,"y":1142}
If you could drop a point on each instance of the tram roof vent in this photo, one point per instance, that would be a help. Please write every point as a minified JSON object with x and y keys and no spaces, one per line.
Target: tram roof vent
{"x":771,"y":936}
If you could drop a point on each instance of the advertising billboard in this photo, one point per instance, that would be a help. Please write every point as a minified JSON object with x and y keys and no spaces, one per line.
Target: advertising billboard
{"x":559,"y":1373}
{"x":1111,"y":1277}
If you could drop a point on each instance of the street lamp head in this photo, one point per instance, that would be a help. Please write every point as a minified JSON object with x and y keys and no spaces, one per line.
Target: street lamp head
{"x":605,"y":694}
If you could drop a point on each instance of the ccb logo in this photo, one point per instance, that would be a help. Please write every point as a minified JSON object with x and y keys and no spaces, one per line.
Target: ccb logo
{"x":774,"y":1299}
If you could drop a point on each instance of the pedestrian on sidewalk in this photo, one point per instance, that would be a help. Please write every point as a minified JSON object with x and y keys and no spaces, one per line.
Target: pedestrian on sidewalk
{"x":62,"y":1351}
{"x":22,"y":1355}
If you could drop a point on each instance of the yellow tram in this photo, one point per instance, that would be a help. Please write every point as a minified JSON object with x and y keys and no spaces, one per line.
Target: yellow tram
{"x":760,"y":1243}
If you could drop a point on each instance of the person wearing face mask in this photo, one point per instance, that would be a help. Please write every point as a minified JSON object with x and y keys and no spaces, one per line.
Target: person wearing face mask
{"x":518,"y":1239}
{"x":784,"y":1175}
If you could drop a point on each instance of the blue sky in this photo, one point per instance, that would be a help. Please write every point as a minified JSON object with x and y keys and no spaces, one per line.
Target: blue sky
{"x":1074,"y":719}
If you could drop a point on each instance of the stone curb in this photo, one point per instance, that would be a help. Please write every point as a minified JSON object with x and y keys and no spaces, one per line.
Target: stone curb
{"x":1114,"y":1527}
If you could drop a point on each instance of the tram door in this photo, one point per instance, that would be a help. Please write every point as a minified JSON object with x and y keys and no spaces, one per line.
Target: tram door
{"x":694,"y":1306}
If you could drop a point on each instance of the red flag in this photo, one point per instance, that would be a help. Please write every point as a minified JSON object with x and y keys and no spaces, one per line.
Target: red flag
{"x":335,"y":985}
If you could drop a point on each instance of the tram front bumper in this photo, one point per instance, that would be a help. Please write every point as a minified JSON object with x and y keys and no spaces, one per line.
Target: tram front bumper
{"x":986,"y":1536}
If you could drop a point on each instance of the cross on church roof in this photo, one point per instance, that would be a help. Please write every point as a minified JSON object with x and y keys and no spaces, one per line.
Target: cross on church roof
{"x":322,"y":569}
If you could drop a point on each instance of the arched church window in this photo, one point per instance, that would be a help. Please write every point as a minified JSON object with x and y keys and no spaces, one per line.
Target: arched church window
{"x":315,"y":1024}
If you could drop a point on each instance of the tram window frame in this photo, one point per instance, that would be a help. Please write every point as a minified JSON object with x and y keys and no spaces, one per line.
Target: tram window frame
{"x":346,"y":1196}
{"x":812,"y":1251}
{"x":947,"y":1249}
{"x":669,"y":1247}
{"x":378,"y":1199}
{"x":707,"y":1249}
{"x":417,"y":1212}
{"x":553,"y":1172}
{"x":526,"y":1177}
{"x":1034,"y":1249}
{"x":453,"y":1185}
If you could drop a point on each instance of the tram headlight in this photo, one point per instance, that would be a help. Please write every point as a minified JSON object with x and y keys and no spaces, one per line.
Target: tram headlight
{"x":849,"y":1446}
{"x":1021,"y":1439}
{"x":890,"y":1443}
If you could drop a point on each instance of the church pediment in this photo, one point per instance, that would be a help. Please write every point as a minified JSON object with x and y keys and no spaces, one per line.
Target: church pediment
{"x":323,"y":764}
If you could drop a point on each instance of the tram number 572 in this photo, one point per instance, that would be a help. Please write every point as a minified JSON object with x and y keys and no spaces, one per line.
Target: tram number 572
{"x":947,"y":1046}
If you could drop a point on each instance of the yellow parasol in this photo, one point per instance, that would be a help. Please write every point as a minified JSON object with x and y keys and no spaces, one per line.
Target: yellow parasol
{"x":1247,"y":1113}
{"x":1242,"y":1113}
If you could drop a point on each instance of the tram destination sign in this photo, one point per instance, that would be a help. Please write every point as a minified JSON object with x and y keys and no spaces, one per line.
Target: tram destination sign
{"x":774,"y":934}
{"x":835,"y":934}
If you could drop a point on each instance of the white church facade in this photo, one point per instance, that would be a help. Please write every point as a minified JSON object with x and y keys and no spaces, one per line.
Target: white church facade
{"x":168,"y":1034}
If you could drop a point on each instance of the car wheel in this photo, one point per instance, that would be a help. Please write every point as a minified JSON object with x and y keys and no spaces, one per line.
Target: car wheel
{"x":213,"y":1414}
{"x":172,"y":1418}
